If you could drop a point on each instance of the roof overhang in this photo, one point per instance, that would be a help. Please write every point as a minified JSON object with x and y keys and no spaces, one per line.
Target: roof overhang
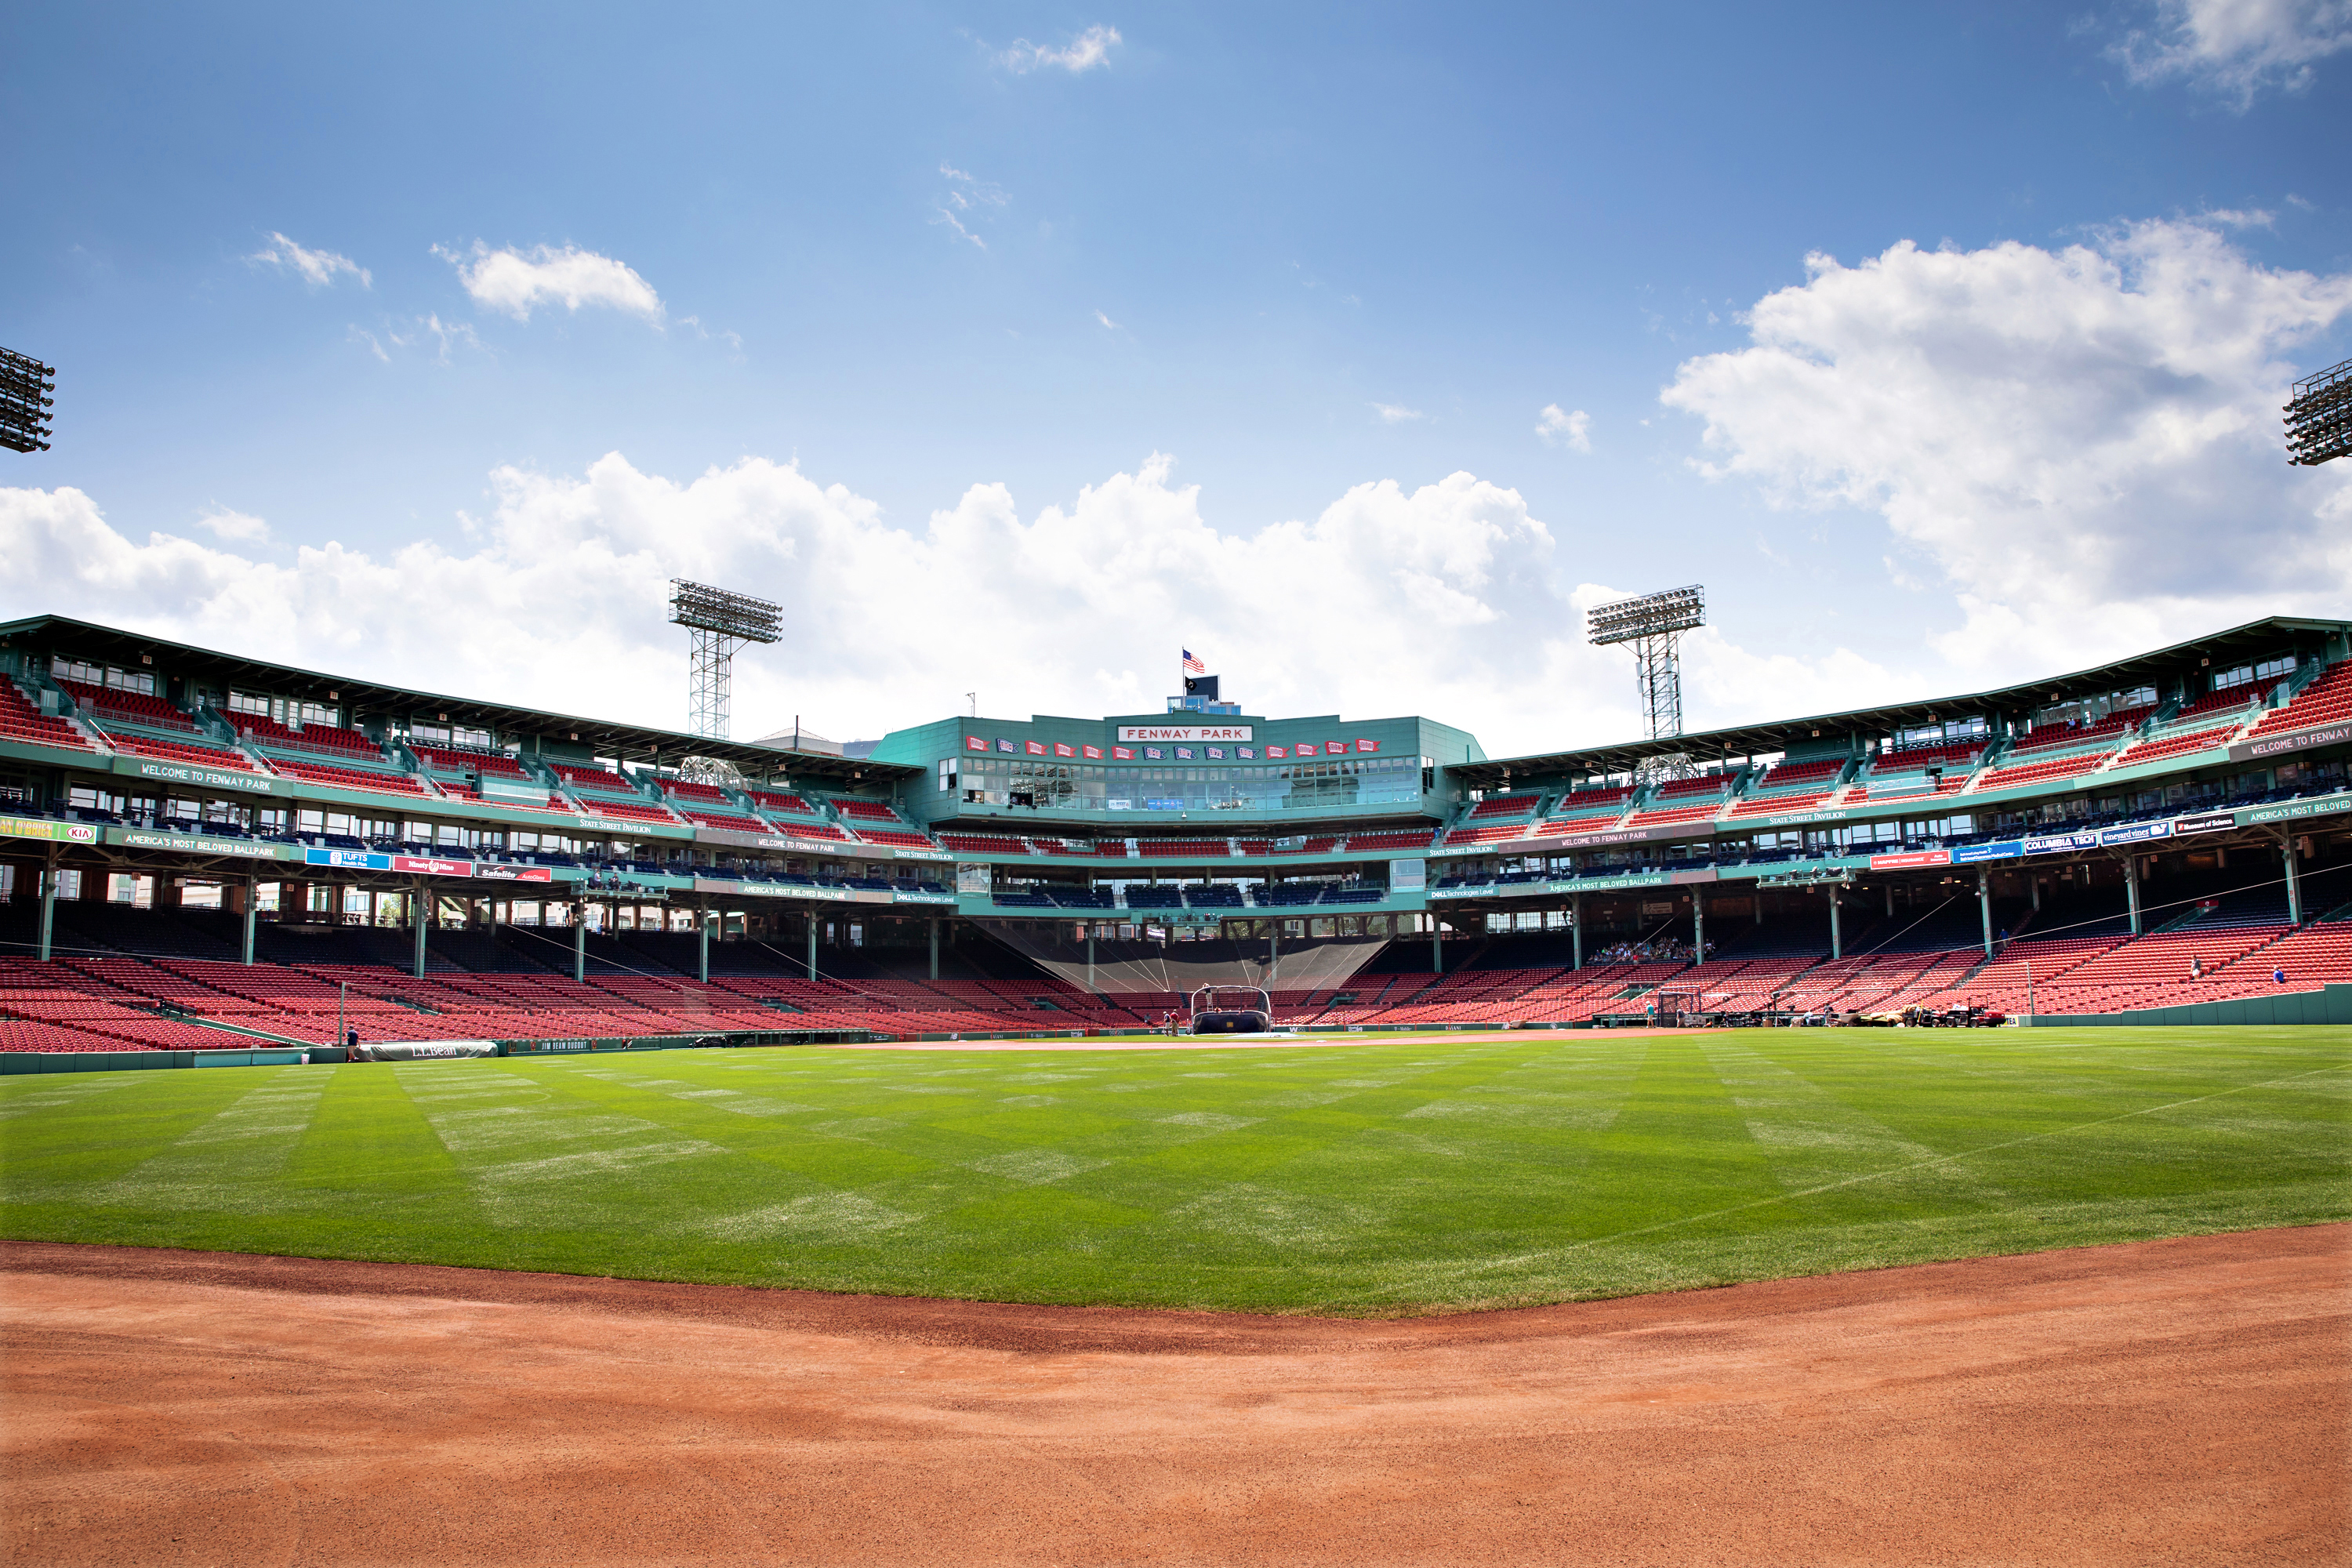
{"x":365,"y":698}
{"x":2219,"y":650}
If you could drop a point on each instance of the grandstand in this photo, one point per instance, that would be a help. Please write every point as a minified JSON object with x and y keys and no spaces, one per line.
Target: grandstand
{"x":198,"y":849}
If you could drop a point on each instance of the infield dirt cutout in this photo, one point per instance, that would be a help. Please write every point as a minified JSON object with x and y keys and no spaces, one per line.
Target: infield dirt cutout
{"x":2157,"y":1402}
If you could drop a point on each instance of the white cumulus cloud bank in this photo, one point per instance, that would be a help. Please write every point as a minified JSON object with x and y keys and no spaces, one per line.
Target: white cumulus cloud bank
{"x":2237,"y":48}
{"x":1082,"y":53}
{"x":1447,"y":599}
{"x":516,"y":282}
{"x":319,"y":269}
{"x":2085,"y":440}
{"x":1558,"y":428}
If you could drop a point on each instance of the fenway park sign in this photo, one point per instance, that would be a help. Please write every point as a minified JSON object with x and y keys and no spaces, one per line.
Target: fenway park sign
{"x":1185,"y":733}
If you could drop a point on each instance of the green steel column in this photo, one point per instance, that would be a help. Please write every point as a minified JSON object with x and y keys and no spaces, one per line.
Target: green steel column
{"x":1699,"y":927}
{"x":2131,"y":891}
{"x":252,"y":897}
{"x":1837,"y":937}
{"x":702,"y":953}
{"x":2293,"y":883}
{"x":1576,"y":928}
{"x":579,"y":944}
{"x":1436,"y":952}
{"x":935,"y":953}
{"x":420,"y":913}
{"x":811,"y":925}
{"x":48,"y":903}
{"x":1984,"y":905}
{"x":2034,"y":883}
{"x":1090,"y":958}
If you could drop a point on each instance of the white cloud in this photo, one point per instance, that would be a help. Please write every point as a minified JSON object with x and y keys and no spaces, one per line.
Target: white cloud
{"x":516,"y":282}
{"x":2086,"y":441}
{"x":1396,"y":413}
{"x":1572,"y":431}
{"x":2237,"y":48}
{"x":316,"y":267}
{"x":556,"y":600}
{"x":1082,"y":53}
{"x":1106,"y":320}
{"x":225,"y":523}
{"x":966,"y":197}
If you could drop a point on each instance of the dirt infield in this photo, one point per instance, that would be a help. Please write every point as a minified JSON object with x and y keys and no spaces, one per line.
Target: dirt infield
{"x":2165,"y":1402}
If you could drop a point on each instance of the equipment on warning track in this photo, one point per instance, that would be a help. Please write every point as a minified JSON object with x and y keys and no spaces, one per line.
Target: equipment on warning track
{"x":1231,"y":1010}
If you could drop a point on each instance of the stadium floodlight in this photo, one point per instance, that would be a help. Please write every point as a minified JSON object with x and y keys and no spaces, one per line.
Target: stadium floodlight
{"x":1653,"y":623}
{"x":720,"y":621}
{"x":25,"y":404}
{"x":2319,"y":418}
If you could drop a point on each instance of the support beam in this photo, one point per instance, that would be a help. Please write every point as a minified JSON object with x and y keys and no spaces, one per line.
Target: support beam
{"x":48,"y":904}
{"x":812,"y":944}
{"x":1890,"y":901}
{"x":1436,"y":950}
{"x":252,"y":897}
{"x":935,"y":953}
{"x":1698,"y":926}
{"x":420,"y":912}
{"x":2131,"y":891}
{"x":579,"y":944}
{"x":2293,"y":881}
{"x":1091,"y":955}
{"x":702,"y":949}
{"x":1576,"y":930}
{"x":2033,"y":880}
{"x":1837,"y":936}
{"x":1984,"y":906}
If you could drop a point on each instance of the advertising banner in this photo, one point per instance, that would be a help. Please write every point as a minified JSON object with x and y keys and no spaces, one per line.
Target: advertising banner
{"x":56,"y":832}
{"x":2206,"y":822}
{"x":1970,"y":854}
{"x":515,"y":873}
{"x":432,"y":865}
{"x":2134,"y":832}
{"x":348,"y":859}
{"x":2060,"y":843}
{"x":1910,"y":857}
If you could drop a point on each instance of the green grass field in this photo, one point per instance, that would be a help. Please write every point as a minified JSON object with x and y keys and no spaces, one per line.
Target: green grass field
{"x":1433,"y":1174}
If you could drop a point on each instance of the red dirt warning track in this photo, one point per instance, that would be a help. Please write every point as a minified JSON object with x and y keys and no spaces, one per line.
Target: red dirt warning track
{"x":2165,"y":1402}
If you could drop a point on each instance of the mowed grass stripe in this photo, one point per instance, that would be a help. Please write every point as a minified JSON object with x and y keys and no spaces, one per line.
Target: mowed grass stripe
{"x":1419,"y":1175}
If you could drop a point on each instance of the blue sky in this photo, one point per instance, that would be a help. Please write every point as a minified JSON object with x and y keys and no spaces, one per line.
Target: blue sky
{"x":894,"y":256}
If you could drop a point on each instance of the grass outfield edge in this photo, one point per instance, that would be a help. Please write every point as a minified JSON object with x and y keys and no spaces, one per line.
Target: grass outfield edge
{"x":543,"y":1287}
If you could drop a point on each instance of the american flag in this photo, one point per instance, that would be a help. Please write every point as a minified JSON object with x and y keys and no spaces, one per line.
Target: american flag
{"x":1193,"y":665}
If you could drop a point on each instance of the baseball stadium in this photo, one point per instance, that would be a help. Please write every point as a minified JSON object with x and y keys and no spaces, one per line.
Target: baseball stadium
{"x":600,"y":1092}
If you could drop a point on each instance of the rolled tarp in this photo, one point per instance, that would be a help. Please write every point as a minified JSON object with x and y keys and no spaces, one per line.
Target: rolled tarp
{"x":427,"y":1050}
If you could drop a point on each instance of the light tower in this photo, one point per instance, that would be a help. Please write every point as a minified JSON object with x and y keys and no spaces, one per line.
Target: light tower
{"x":719,"y":621}
{"x":1653,"y":623}
{"x":25,"y":384}
{"x":2319,"y":419}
